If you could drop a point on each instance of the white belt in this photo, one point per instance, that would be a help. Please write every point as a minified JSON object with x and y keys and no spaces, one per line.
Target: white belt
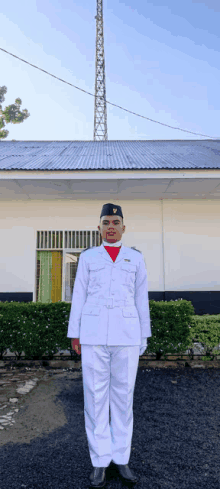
{"x":110,"y":302}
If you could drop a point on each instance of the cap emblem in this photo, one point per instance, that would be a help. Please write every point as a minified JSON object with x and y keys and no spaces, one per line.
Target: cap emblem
{"x":114,"y":210}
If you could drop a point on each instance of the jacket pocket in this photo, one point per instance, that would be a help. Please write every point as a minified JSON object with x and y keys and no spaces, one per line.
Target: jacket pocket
{"x":96,"y":273}
{"x":95,"y":267}
{"x":91,"y":310}
{"x":128,"y":273}
{"x":130,"y":312}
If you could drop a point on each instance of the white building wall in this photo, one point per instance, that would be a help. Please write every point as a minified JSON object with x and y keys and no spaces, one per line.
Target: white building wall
{"x":180,"y":239}
{"x":192,"y":244}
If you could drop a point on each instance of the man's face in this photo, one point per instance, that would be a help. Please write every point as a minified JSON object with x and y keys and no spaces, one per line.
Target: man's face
{"x":111,"y":228}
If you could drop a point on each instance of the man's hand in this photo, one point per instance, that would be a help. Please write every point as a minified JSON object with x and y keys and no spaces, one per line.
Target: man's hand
{"x":76,"y":345}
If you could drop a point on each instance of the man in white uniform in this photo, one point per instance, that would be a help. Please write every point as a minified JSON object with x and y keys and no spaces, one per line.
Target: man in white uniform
{"x":110,"y":318}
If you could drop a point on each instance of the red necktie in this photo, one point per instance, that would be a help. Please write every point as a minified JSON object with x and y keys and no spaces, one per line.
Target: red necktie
{"x":113,"y":251}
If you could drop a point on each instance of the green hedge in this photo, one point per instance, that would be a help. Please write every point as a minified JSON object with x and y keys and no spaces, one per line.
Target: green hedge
{"x":39,"y":329}
{"x":34,"y":328}
{"x":175,"y":328}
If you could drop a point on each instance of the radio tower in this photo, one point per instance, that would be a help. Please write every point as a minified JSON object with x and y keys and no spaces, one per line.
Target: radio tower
{"x":100,"y":115}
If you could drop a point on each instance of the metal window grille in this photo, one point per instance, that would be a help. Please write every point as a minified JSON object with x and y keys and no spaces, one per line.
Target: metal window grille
{"x":71,"y":243}
{"x":59,"y":240}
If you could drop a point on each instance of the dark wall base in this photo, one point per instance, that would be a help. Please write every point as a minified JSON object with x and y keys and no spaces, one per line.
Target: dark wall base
{"x":16,"y":296}
{"x":204,"y":302}
{"x":207,"y":302}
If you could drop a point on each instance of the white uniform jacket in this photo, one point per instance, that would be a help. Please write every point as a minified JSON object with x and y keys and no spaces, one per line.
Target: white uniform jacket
{"x":110,"y":299}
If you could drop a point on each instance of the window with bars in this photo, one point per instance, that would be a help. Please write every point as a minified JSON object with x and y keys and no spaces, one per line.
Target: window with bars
{"x":57,"y":259}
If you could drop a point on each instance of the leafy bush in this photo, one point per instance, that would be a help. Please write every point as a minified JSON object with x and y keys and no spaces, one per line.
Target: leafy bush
{"x":39,"y":329}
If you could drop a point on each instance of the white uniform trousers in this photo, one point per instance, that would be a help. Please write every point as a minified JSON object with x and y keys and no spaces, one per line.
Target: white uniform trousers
{"x":109,"y":375}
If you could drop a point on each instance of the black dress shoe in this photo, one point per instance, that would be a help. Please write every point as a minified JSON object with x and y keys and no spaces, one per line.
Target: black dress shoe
{"x":97,"y":477}
{"x":126,"y":473}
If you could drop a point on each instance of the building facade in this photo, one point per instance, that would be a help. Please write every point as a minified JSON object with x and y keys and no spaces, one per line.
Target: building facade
{"x":51,"y":195}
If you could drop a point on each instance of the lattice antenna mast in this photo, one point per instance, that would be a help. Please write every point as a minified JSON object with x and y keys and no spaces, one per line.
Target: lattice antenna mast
{"x":100,"y":115}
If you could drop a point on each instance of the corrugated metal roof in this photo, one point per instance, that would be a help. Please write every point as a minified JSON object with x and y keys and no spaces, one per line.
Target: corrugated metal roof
{"x":109,"y":155}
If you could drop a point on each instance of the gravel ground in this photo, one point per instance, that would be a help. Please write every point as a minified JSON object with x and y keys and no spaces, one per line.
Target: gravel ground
{"x":176,"y":435}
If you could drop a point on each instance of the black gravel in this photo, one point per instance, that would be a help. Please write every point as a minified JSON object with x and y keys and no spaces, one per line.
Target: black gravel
{"x":175,"y":445}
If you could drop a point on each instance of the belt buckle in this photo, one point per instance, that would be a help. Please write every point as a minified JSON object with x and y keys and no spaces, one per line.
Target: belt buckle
{"x":110,"y":306}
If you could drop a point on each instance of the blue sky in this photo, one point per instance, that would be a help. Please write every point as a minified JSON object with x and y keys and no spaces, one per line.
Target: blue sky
{"x":162,"y":61}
